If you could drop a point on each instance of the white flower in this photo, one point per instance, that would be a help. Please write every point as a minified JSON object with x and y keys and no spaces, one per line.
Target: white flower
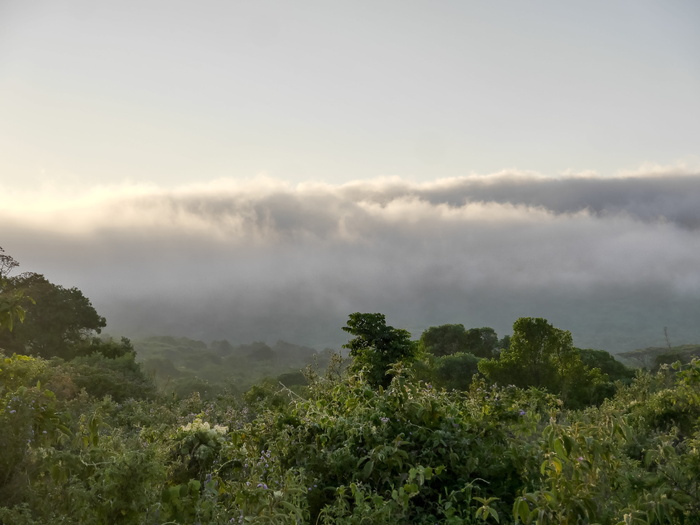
{"x":198,"y":425}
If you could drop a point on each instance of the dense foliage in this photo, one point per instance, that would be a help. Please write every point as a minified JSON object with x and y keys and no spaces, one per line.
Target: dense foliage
{"x":543,"y":356}
{"x":400,"y":436}
{"x":450,"y":339}
{"x":377,"y":346}
{"x":343,"y":452}
{"x":55,"y":319}
{"x":181,"y":365}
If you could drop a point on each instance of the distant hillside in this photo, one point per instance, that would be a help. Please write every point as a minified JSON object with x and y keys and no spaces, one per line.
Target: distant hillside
{"x":182,"y":365}
{"x":654,"y":356}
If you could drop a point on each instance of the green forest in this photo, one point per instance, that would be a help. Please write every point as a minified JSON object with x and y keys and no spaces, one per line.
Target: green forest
{"x":459,"y":426}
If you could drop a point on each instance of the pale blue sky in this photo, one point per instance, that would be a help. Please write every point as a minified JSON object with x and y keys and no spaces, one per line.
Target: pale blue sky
{"x":175,"y":92}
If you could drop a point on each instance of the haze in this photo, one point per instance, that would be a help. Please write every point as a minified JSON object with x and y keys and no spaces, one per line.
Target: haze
{"x":259,"y":170}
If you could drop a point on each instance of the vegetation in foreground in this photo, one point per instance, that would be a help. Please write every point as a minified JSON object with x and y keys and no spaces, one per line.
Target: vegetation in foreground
{"x":536,"y":432}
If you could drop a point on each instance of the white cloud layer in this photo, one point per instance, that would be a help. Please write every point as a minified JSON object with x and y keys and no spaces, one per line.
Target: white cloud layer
{"x":613,"y":259}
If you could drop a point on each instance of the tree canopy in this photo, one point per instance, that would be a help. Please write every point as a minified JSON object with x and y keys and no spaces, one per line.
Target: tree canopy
{"x":7,"y":264}
{"x":448,"y":339}
{"x":445,"y":339}
{"x":56,"y":319}
{"x":376,"y":346}
{"x":11,"y":308}
{"x":542,"y":356}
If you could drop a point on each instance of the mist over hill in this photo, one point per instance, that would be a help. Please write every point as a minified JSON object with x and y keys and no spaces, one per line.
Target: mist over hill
{"x":614,"y":260}
{"x":615,"y":320}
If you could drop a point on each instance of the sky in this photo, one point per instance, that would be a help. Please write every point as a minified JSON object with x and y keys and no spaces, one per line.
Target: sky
{"x":259,"y":170}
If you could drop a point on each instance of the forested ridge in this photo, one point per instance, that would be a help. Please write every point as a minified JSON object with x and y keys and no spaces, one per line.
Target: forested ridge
{"x":457,"y":427}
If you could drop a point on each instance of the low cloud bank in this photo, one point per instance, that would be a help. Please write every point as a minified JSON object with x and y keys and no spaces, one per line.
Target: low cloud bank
{"x":614,"y":260}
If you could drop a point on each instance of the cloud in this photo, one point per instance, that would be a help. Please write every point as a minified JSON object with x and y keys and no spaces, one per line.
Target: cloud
{"x":613,"y":259}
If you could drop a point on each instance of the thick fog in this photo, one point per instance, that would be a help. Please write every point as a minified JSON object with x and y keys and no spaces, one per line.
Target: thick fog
{"x":614,"y":260}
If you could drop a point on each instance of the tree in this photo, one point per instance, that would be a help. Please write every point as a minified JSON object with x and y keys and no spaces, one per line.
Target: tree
{"x":56,"y":321}
{"x":443,"y":340}
{"x":376,"y":347}
{"x":482,"y":342}
{"x":107,"y":347}
{"x":614,"y":369}
{"x":455,"y":371}
{"x":10,"y":300}
{"x":11,"y":310}
{"x":504,"y":344}
{"x":450,"y":339}
{"x":7,"y":264}
{"x":542,"y":356}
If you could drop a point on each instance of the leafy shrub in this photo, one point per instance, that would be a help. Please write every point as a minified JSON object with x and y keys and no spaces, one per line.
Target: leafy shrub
{"x":454,"y":372}
{"x":28,"y":417}
{"x":376,"y":347}
{"x":120,"y":377}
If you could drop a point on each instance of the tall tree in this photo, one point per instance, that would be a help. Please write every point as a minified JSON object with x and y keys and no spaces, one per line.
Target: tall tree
{"x":376,"y":346}
{"x":606,"y":362}
{"x":56,"y":320}
{"x":11,"y":308}
{"x":7,"y":264}
{"x":446,"y":339}
{"x":482,"y":342}
{"x":542,"y":356}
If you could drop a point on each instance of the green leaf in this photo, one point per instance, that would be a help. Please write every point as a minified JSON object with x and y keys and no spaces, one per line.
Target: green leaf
{"x":290,"y":507}
{"x":521,"y":510}
{"x":560,"y":449}
{"x":568,"y":444}
{"x":557,"y":465}
{"x":194,"y":486}
{"x":367,"y":469}
{"x":410,"y":488}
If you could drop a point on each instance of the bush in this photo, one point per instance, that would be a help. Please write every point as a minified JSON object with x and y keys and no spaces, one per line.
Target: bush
{"x":120,"y":377}
{"x":455,"y":371}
